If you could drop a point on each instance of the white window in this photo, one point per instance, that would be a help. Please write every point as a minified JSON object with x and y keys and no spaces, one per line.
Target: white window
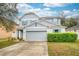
{"x":35,"y":24}
{"x":59,"y":22}
{"x":55,"y":21}
{"x":24,"y":22}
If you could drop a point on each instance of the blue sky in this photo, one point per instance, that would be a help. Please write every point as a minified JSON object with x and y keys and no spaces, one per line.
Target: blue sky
{"x":54,"y":9}
{"x":66,"y":6}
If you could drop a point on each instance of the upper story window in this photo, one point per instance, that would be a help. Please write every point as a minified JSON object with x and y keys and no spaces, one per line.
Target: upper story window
{"x":56,"y":21}
{"x":59,"y":21}
{"x":24,"y":22}
{"x":35,"y":24}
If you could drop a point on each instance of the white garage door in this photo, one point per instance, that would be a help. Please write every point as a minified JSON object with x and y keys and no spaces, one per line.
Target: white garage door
{"x":36,"y":36}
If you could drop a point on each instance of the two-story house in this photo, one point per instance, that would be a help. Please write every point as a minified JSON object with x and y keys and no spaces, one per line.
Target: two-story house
{"x":32,"y":27}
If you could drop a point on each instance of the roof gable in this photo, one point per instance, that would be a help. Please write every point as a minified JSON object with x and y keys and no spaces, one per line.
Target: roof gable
{"x":29,"y":15}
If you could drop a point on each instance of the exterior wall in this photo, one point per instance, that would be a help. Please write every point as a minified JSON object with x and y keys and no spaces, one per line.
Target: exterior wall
{"x":59,"y":22}
{"x":59,"y":28}
{"x":52,"y":30}
{"x":18,"y":34}
{"x":15,"y":34}
{"x":49,"y":30}
{"x":54,"y":21}
{"x":24,"y":34}
{"x":29,"y":18}
{"x":36,"y":25}
{"x":62,"y":29}
{"x":45,"y":23}
{"x":36,"y":28}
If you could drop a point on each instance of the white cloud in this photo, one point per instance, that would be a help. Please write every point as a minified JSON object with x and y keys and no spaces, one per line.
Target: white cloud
{"x":35,"y":10}
{"x":67,"y":12}
{"x":74,"y":9}
{"x":42,"y":12}
{"x":54,"y":4}
{"x":24,"y":7}
{"x":46,"y":9}
{"x":73,"y":14}
{"x":45,"y":13}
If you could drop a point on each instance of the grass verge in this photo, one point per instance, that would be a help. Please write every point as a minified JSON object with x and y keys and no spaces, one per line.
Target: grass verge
{"x":63,"y":48}
{"x":6,"y":42}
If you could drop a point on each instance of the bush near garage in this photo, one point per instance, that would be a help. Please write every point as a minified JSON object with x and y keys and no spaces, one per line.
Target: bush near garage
{"x":61,"y":37}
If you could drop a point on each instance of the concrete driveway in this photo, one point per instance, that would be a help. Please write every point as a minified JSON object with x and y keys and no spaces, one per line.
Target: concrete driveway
{"x":26,"y":49}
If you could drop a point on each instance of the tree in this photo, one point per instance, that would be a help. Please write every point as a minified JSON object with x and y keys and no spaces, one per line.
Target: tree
{"x":70,"y":22}
{"x":9,"y":25}
{"x":7,"y":13}
{"x":63,"y":17}
{"x":8,"y":10}
{"x":67,"y":22}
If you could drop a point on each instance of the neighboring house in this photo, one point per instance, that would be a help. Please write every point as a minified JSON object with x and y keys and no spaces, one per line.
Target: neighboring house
{"x":74,"y":29}
{"x":35,"y":28}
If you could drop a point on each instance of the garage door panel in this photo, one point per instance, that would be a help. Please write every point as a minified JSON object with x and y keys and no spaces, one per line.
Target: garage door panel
{"x":36,"y":36}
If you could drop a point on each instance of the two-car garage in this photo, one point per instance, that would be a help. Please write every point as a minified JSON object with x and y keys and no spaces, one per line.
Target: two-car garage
{"x":36,"y":34}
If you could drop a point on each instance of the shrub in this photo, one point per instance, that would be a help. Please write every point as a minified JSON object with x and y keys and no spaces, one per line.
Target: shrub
{"x":61,"y":37}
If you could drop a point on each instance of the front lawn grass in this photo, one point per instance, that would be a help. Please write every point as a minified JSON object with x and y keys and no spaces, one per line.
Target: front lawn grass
{"x":63,"y":48}
{"x":6,"y":42}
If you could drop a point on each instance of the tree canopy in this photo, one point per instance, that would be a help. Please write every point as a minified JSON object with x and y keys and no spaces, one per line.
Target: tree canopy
{"x":9,"y":25}
{"x":7,"y":13}
{"x":69,"y":22}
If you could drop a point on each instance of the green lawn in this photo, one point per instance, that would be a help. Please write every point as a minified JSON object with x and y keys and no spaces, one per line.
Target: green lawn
{"x":6,"y":42}
{"x":63,"y":49}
